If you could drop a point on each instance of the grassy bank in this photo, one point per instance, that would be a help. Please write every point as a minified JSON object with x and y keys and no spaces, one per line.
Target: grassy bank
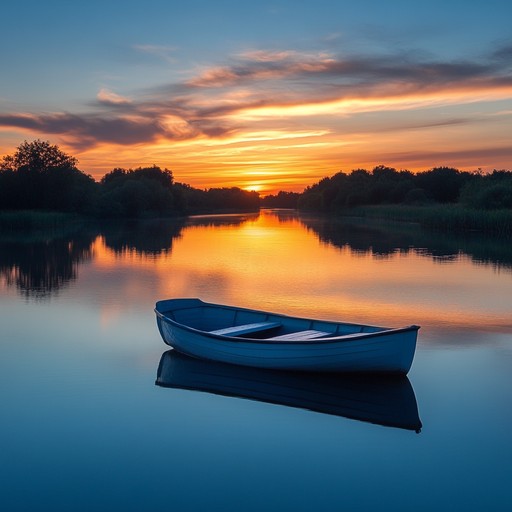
{"x":32,"y":219}
{"x":441,"y":217}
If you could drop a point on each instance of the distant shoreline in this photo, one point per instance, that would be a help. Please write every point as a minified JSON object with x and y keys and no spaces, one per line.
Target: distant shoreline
{"x":445,"y":218}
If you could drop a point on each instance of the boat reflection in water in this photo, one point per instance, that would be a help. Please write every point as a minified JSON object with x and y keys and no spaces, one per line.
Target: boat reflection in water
{"x":380,"y":399}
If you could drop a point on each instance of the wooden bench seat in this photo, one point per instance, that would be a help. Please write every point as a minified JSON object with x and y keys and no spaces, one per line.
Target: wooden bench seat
{"x":301,"y":335}
{"x":239,"y":330}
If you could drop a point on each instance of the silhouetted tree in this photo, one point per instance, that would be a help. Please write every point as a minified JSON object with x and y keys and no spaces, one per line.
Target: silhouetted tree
{"x":154,"y":173}
{"x":488,"y":192}
{"x":231,"y":199}
{"x":225,"y":199}
{"x":38,"y":156}
{"x":281,"y":200}
{"x":443,"y":184}
{"x":387,"y":185}
{"x":146,"y":191}
{"x":189,"y":198}
{"x":41,"y":176}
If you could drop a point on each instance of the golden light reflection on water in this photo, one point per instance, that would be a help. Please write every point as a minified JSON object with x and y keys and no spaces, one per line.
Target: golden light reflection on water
{"x":272,"y":262}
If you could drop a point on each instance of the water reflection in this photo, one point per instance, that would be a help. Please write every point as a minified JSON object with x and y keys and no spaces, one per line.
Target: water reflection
{"x":274,"y":250}
{"x":39,"y":268}
{"x":385,"y":238}
{"x":41,"y":264}
{"x":283,"y":215}
{"x":146,"y":238}
{"x":231,"y":220}
{"x":383,"y":400}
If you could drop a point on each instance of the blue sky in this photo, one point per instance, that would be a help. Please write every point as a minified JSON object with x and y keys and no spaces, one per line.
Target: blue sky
{"x":172,"y":83}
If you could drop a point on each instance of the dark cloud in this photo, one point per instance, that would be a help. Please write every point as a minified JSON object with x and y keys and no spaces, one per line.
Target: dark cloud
{"x":503,"y":53}
{"x":86,"y":130}
{"x":215,"y":131}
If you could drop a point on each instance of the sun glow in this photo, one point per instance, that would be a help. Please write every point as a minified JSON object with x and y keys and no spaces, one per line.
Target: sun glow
{"x":254,"y":187}
{"x":231,"y":140}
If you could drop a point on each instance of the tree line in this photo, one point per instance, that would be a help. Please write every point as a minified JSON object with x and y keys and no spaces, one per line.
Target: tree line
{"x":39,"y":176}
{"x":386,"y":185}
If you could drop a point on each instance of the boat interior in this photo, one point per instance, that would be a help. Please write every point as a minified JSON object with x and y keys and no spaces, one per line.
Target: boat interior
{"x":235,"y":322}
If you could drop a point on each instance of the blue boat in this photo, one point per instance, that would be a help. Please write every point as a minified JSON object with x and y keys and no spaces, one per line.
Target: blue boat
{"x":261,"y":339}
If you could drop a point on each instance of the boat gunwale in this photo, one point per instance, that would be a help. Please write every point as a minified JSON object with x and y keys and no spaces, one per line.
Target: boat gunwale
{"x":345,"y":338}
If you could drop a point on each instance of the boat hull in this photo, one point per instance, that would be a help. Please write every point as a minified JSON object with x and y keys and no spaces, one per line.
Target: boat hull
{"x":388,"y":351}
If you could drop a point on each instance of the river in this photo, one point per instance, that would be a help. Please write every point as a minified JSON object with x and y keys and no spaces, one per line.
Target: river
{"x":85,"y":427}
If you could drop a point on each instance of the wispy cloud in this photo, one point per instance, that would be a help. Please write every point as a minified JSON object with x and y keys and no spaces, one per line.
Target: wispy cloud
{"x":461,"y":156}
{"x":166,"y":53}
{"x":275,"y":86}
{"x":277,"y":55}
{"x":303,"y":70}
{"x":108,"y":97}
{"x":261,"y":65}
{"x":333,"y":36}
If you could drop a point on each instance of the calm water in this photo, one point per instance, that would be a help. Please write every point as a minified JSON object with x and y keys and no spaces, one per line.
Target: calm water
{"x":84,"y":427}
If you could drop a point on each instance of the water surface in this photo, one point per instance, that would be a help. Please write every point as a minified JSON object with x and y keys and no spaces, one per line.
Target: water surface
{"x":84,"y":427}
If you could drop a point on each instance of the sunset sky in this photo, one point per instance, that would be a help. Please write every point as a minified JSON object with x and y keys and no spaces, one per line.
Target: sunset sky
{"x":269,"y":95}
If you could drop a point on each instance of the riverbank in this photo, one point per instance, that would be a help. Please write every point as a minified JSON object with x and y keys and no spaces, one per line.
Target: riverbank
{"x":35,"y":220}
{"x":446,"y":218}
{"x":40,"y":220}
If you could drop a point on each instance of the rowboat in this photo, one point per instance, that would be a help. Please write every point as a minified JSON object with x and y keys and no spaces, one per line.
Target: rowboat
{"x":260,"y":339}
{"x":386,"y":400}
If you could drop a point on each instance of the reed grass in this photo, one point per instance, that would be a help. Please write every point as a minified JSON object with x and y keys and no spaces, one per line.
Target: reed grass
{"x":28,"y":219}
{"x":446,"y":218}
